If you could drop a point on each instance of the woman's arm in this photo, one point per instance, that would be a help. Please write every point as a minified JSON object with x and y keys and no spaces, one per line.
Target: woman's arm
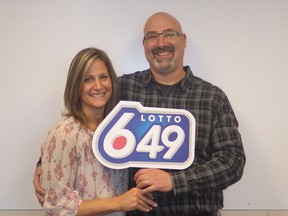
{"x":131,"y":200}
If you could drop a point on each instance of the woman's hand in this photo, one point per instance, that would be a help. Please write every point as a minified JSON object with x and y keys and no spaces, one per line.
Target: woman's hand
{"x":135,"y":199}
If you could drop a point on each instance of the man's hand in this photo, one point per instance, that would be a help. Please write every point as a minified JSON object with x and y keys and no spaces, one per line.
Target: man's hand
{"x":39,"y":192}
{"x":153,"y":180}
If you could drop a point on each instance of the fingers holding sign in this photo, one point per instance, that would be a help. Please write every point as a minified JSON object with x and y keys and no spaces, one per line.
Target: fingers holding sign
{"x":135,"y":199}
{"x":151,"y":180}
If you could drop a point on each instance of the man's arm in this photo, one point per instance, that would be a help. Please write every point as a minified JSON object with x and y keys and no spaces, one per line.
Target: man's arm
{"x":39,"y":191}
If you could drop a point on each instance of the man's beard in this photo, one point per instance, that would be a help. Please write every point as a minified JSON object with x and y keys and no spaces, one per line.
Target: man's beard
{"x":163,"y":65}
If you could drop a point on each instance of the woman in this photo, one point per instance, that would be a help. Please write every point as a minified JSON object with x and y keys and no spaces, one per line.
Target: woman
{"x":74,"y":181}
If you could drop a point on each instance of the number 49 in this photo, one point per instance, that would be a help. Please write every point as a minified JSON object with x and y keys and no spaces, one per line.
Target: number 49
{"x":153,"y":135}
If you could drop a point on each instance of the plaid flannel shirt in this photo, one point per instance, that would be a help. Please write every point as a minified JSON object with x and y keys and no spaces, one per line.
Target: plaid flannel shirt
{"x":219,"y":154}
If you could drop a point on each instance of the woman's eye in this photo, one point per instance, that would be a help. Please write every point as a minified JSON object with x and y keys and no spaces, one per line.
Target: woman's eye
{"x":104,"y":77}
{"x":87,"y":79}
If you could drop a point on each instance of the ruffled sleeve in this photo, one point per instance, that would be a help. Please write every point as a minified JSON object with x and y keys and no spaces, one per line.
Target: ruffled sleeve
{"x":59,"y":166}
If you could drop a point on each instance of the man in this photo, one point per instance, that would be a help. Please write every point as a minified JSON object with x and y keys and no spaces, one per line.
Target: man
{"x":219,"y":154}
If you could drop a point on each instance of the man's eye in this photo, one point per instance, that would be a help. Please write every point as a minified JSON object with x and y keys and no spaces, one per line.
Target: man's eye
{"x":151,"y":37}
{"x":169,"y":35}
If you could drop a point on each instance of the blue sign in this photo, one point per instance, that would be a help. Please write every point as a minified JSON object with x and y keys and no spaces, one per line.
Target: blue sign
{"x":146,"y":137}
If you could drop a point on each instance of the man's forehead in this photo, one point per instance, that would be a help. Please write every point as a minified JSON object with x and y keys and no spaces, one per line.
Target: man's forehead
{"x":161,"y":23}
{"x":164,"y":30}
{"x":161,"y":27}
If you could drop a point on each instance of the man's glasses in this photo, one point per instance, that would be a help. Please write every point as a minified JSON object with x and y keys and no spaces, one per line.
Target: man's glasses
{"x":168,"y":35}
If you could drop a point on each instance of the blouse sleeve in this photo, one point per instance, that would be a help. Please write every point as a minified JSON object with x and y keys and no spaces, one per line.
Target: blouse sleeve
{"x":59,"y":166}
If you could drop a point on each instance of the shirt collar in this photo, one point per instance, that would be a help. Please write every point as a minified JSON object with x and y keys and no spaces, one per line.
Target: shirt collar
{"x":148,"y":77}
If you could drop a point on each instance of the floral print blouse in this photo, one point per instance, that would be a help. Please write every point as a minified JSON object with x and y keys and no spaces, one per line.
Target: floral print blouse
{"x":71,"y":173}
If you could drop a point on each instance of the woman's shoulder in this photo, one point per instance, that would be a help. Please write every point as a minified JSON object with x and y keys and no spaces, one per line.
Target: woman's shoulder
{"x":67,"y":125}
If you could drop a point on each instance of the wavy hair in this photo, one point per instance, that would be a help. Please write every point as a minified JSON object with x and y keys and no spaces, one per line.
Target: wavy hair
{"x":78,"y":67}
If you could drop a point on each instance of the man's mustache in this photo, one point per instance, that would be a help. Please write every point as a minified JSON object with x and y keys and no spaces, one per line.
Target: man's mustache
{"x":158,"y":50}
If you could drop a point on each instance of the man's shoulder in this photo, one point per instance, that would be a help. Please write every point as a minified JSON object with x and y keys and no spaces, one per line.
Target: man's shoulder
{"x":138,"y":76}
{"x":135,"y":74}
{"x":197,"y":83}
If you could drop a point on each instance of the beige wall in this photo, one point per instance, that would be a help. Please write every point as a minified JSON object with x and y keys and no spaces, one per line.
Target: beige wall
{"x":254,"y":213}
{"x":223,"y":213}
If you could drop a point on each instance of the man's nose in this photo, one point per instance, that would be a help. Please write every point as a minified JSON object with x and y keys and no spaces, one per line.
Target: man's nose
{"x":160,"y":40}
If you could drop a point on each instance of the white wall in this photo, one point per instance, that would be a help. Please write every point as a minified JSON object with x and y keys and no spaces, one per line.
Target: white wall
{"x":241,"y":46}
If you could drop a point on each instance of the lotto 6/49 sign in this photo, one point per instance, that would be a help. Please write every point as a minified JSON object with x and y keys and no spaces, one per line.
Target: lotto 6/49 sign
{"x":136,"y":136}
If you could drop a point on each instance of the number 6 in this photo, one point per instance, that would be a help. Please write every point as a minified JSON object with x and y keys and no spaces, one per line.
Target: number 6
{"x":116,"y":132}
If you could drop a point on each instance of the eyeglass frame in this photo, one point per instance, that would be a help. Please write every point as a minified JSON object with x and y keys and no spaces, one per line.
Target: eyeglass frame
{"x":176,"y":33}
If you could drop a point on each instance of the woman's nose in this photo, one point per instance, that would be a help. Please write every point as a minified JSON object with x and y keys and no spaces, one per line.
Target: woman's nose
{"x":97,"y":84}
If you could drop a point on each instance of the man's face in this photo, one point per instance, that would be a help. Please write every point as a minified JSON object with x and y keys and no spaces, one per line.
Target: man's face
{"x":164,"y":52}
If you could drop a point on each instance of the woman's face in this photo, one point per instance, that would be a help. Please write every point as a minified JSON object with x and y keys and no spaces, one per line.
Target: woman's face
{"x":96,"y":88}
